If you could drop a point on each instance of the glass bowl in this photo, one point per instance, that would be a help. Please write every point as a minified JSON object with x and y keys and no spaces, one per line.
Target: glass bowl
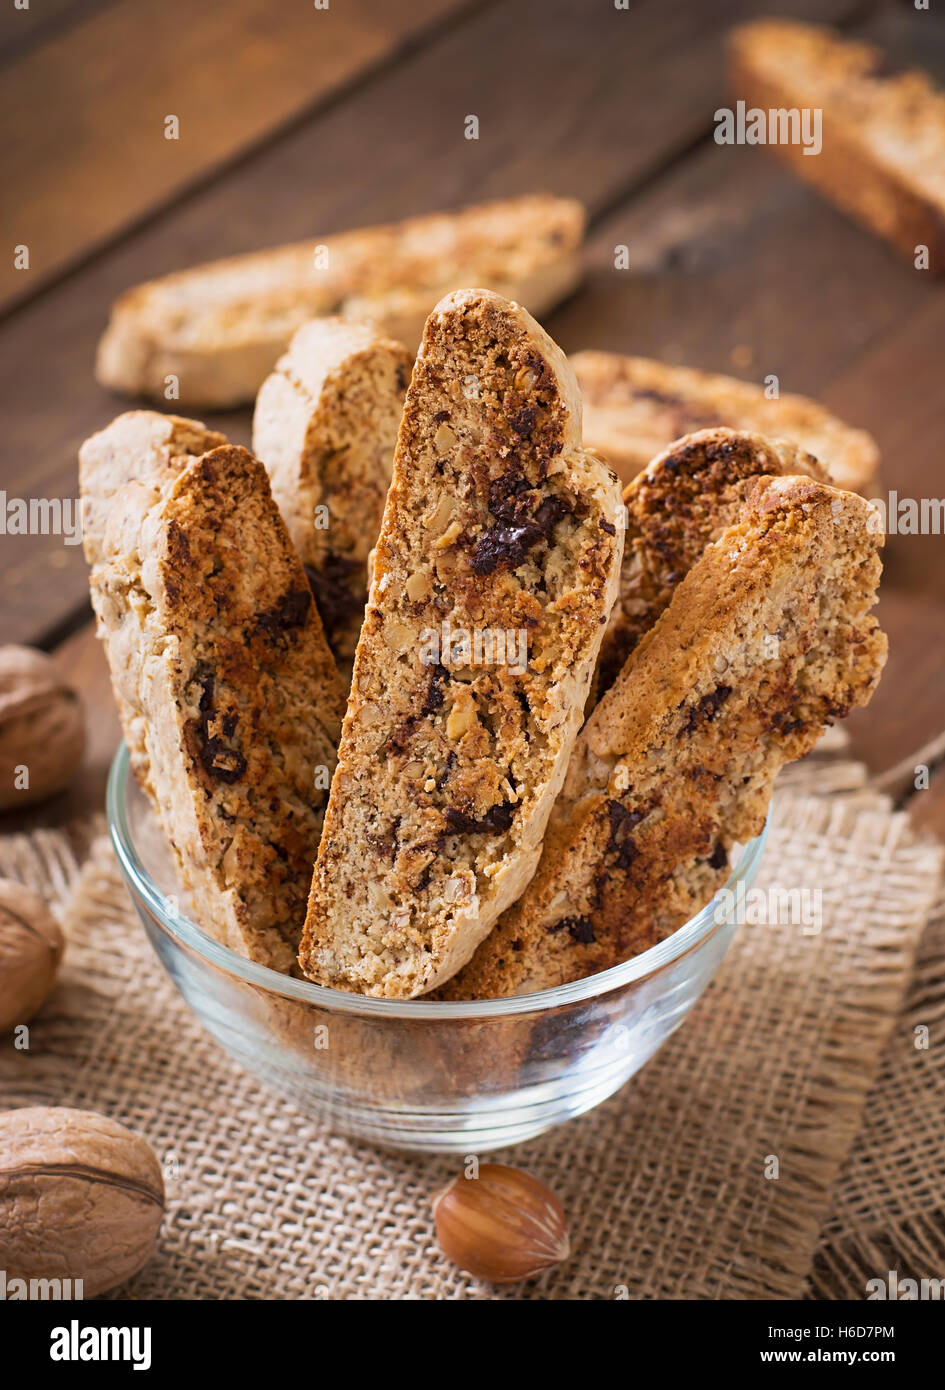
{"x":454,"y":1077}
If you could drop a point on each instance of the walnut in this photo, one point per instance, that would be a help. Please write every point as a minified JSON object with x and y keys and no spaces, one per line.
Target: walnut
{"x":42,"y":728}
{"x":30,"y":951}
{"x":81,"y":1197}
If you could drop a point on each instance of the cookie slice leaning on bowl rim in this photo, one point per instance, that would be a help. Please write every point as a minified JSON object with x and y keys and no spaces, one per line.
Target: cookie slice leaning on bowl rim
{"x":680,"y":502}
{"x":495,"y":571}
{"x":768,"y":638}
{"x":228,"y":695}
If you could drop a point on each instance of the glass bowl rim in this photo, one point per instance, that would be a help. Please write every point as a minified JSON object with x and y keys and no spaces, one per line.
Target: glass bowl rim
{"x":187,"y":933}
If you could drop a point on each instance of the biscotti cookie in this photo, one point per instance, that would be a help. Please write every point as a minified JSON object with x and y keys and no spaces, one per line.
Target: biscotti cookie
{"x":767,"y":639}
{"x":229,"y":699}
{"x":634,"y":407}
{"x":883,"y":131}
{"x":137,"y":445}
{"x":685,"y":498}
{"x":219,"y":328}
{"x":495,"y":570}
{"x":325,"y":427}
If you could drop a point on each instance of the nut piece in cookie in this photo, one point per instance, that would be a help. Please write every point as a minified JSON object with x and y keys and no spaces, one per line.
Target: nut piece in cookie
{"x":683,"y":500}
{"x":635,"y":406}
{"x":325,"y":427}
{"x":229,"y":698}
{"x":768,"y":639}
{"x":495,"y":570}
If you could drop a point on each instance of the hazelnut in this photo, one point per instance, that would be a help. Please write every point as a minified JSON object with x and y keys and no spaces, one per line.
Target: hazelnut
{"x":503,"y":1225}
{"x":81,"y":1197}
{"x":30,"y":950}
{"x":42,"y":728}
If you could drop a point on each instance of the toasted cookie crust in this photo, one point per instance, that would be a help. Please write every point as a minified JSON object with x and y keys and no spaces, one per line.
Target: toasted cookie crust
{"x":219,"y":328}
{"x":325,"y":427}
{"x":767,"y":639}
{"x":497,"y":526}
{"x":229,"y":698}
{"x":140,"y":444}
{"x":883,"y":131}
{"x":634,"y":407}
{"x":675,"y":507}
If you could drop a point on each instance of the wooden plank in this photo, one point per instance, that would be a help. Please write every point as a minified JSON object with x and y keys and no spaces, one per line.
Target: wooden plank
{"x":90,"y":107}
{"x":896,"y":390}
{"x":21,"y":30}
{"x":736,"y":266}
{"x":587,"y":102}
{"x":906,"y":716}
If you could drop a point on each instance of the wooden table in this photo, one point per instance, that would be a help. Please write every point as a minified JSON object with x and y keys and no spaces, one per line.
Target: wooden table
{"x":297,"y":121}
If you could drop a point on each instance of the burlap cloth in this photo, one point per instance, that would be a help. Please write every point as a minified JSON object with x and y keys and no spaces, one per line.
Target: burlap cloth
{"x":670,"y":1187}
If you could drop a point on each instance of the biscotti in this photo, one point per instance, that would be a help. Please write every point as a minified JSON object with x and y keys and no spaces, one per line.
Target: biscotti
{"x":216,"y":330}
{"x":229,"y":699}
{"x":634,"y":407}
{"x":495,"y":570}
{"x":882,"y":155}
{"x":767,"y":639}
{"x":325,"y":427}
{"x":683,"y":500}
{"x":140,"y":444}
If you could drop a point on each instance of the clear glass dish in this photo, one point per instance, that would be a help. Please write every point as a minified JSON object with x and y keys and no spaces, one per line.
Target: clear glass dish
{"x":455,"y":1077}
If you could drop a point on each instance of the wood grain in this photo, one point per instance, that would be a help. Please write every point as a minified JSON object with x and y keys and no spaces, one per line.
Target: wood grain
{"x":897,"y":391}
{"x":736,"y":266}
{"x":22,"y":30}
{"x":907,"y":713}
{"x":90,"y":105}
